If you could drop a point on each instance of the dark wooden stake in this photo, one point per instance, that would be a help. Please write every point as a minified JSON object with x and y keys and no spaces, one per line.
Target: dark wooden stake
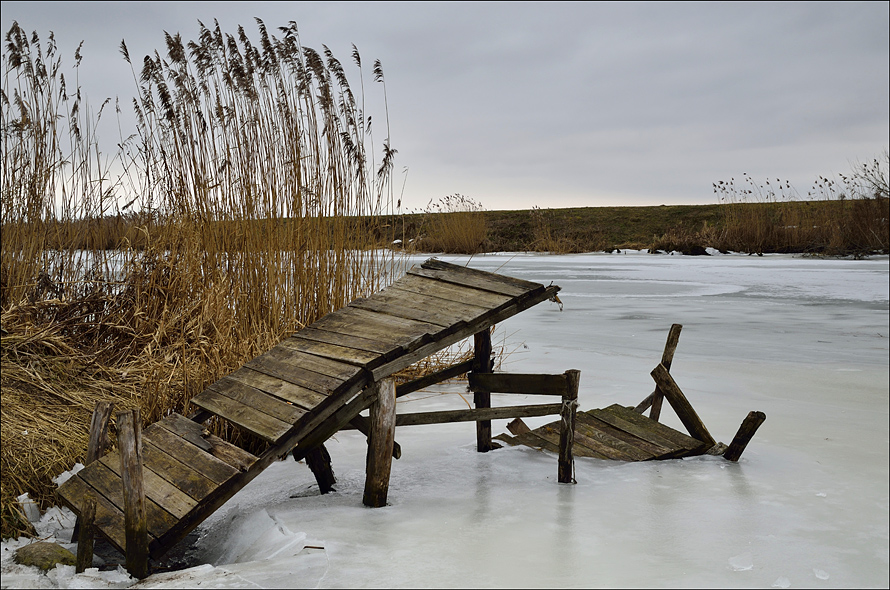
{"x":681,"y":406}
{"x":85,"y":535}
{"x":482,"y":399}
{"x":567,"y":426}
{"x":380,"y":439}
{"x":655,"y":399}
{"x":746,"y":431}
{"x":319,"y":461}
{"x":96,"y":446}
{"x":129,"y":435}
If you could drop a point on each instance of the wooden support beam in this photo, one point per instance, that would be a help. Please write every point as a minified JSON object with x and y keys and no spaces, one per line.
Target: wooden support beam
{"x":96,"y":447}
{"x":85,"y":535}
{"x":655,"y":399}
{"x":681,"y":406}
{"x":129,"y":427}
{"x":746,"y":431}
{"x":476,"y":414}
{"x":482,"y":399}
{"x":363,"y":425}
{"x":567,"y":427}
{"x":433,"y":378}
{"x":528,"y":384}
{"x":319,"y":461}
{"x":382,"y":434}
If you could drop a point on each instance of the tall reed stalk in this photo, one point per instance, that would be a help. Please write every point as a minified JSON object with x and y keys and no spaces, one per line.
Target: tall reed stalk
{"x":242,"y":207}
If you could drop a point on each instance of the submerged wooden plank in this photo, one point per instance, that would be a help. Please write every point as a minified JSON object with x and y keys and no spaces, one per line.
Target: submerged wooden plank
{"x":666,"y":432}
{"x":242,"y":415}
{"x":607,"y":445}
{"x":634,"y":436}
{"x":222,"y":450}
{"x":472,"y":280}
{"x":296,"y":394}
{"x":551,"y":435}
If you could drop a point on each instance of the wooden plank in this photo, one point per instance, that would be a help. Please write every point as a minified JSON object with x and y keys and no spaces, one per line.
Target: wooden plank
{"x":471,"y":280}
{"x":482,"y":363}
{"x":222,"y":450}
{"x":244,"y":416}
{"x":426,"y":286}
{"x":567,"y":426}
{"x":517,"y":427}
{"x":86,"y":534}
{"x":157,"y":489}
{"x":380,"y":441}
{"x":656,"y":398}
{"x":378,"y":326}
{"x":387,"y":349}
{"x":652,"y":450}
{"x":310,"y":362}
{"x":109,"y":519}
{"x":433,"y":378}
{"x":140,"y":516}
{"x":397,"y":307}
{"x":294,"y":374}
{"x":184,"y":477}
{"x":209,"y":466}
{"x":671,"y":436}
{"x":681,"y":406}
{"x":746,"y":432}
{"x":530,"y":384}
{"x":448,"y":338}
{"x":259,"y":400}
{"x":296,"y":394}
{"x":551,"y":435}
{"x":461,"y":310}
{"x":345,"y":354}
{"x":434,"y":264}
{"x":607,"y":445}
{"x":98,"y":443}
{"x":639,"y":434}
{"x":530,"y":439}
{"x":110,"y":484}
{"x":476,"y":414}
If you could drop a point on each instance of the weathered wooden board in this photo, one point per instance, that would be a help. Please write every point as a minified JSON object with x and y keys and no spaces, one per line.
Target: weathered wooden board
{"x":209,"y":466}
{"x":454,"y":269}
{"x":454,"y":292}
{"x":188,"y":480}
{"x":551,"y":435}
{"x":310,"y":362}
{"x":679,"y":439}
{"x":476,"y":414}
{"x":295,"y":374}
{"x":157,"y":489}
{"x":109,"y":519}
{"x":461,"y":310}
{"x":388,"y":350}
{"x":259,"y":400}
{"x":353,"y":356}
{"x":194,"y":432}
{"x":245,"y":417}
{"x":532,"y":384}
{"x":470,"y":280}
{"x":633,"y":436}
{"x":296,"y":394}
{"x":397,"y":307}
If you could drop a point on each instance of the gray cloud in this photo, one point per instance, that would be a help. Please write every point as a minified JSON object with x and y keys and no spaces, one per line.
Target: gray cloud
{"x":567,"y":104}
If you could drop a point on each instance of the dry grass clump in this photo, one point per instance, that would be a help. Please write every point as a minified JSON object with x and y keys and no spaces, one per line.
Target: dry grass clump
{"x":240,"y":209}
{"x":454,"y":224}
{"x":846,"y":216}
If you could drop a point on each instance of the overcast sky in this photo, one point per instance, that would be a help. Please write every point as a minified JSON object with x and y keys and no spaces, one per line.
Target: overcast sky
{"x":563,"y":105}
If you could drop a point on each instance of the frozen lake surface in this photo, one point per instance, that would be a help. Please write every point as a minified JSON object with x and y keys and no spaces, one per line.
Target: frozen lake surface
{"x":803,"y":340}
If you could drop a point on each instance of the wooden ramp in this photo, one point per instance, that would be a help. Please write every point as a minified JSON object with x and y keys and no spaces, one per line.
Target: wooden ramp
{"x":616,"y":433}
{"x":295,"y":396}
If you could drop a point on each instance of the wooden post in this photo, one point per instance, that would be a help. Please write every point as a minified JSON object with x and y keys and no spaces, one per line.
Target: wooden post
{"x":667,"y":358}
{"x":380,"y":440}
{"x":681,"y":406}
{"x":85,"y":535}
{"x":746,"y":431}
{"x":129,"y":438}
{"x":319,"y":461}
{"x":482,"y":399}
{"x":567,"y":426}
{"x":96,"y":447}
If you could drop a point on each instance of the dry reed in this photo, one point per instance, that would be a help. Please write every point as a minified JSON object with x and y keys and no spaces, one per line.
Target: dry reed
{"x":243,"y":208}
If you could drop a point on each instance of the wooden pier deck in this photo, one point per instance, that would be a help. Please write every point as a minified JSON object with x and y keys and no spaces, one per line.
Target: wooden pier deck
{"x":295,"y":396}
{"x":616,"y":433}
